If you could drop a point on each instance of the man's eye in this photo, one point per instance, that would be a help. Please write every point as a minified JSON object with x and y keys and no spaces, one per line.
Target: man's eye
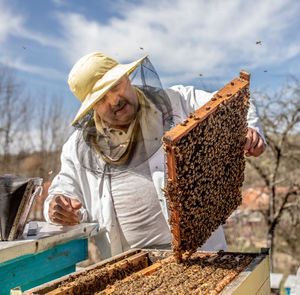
{"x":116,"y":87}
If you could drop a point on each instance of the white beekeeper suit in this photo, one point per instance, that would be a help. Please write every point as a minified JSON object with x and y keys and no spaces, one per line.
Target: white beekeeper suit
{"x":94,"y":192}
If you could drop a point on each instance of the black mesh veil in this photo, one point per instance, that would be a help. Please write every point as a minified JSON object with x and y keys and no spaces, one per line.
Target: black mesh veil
{"x":146,"y":143}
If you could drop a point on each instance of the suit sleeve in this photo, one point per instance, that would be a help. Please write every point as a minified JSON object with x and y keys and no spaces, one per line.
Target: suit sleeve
{"x":67,"y":181}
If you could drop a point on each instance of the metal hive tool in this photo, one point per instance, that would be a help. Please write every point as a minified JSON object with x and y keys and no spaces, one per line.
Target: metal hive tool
{"x":205,"y":166}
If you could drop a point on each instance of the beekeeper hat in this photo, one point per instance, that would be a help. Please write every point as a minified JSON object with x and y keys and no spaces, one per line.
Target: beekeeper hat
{"x":93,"y":76}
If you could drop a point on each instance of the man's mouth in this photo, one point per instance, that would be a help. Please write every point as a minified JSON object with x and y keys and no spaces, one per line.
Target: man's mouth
{"x":121,"y":108}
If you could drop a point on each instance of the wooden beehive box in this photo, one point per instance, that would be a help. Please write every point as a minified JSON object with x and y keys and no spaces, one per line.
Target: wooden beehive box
{"x":205,"y":166}
{"x":155,"y":272}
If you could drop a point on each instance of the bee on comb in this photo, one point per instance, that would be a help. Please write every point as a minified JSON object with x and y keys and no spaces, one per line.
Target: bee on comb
{"x":205,"y":166}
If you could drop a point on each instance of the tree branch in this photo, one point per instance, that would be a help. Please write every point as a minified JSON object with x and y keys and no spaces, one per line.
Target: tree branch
{"x":260,"y":171}
{"x":292,"y":191}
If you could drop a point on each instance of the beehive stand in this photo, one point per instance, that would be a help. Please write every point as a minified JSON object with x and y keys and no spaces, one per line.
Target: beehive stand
{"x":205,"y":166}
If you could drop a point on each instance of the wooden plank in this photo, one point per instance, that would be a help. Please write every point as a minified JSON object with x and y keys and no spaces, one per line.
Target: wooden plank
{"x":252,"y":279}
{"x":171,"y":168}
{"x":154,"y":267}
{"x":144,"y":272}
{"x":139,"y":258}
{"x":265,"y":288}
{"x":49,"y":235}
{"x":59,"y":273}
{"x":31,"y":270}
{"x":170,"y":160}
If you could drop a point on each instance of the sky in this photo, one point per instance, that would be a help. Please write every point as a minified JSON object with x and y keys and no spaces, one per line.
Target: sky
{"x":194,"y":42}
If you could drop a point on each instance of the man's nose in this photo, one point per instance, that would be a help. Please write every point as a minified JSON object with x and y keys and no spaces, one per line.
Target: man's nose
{"x":114,"y":99}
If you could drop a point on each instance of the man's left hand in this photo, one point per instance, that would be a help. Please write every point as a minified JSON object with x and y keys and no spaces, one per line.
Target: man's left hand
{"x":255,"y":145}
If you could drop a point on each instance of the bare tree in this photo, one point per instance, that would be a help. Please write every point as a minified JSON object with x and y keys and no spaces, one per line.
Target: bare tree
{"x":51,"y":130}
{"x":13,"y":115}
{"x":279,"y":166}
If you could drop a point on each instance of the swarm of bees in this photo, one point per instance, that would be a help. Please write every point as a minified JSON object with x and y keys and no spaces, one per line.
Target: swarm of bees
{"x":205,"y":167}
{"x":202,"y":274}
{"x":91,"y":282}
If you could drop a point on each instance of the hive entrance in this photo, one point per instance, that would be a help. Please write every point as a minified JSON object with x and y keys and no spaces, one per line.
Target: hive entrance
{"x":205,"y":166}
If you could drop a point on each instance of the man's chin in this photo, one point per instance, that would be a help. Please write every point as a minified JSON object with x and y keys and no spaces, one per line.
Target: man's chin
{"x":122,"y":123}
{"x":126,"y":119}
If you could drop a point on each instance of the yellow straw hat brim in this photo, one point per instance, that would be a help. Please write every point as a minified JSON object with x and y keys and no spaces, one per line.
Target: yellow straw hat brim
{"x":102,"y":86}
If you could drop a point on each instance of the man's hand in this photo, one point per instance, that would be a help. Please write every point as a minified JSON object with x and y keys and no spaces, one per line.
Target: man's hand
{"x":64,"y":210}
{"x":255,"y":145}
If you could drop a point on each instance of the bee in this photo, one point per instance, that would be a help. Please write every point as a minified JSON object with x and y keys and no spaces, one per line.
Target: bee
{"x":184,"y":123}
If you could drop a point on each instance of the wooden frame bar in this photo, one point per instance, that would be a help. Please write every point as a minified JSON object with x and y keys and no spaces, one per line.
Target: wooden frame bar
{"x":139,"y":258}
{"x":226,"y":93}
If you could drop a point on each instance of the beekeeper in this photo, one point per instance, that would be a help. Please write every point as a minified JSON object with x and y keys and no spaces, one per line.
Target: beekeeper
{"x":112,"y":166}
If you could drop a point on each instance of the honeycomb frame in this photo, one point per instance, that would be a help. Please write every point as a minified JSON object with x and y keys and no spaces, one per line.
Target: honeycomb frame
{"x":206,"y":134}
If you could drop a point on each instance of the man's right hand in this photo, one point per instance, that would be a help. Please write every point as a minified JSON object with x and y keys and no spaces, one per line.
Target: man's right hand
{"x":64,"y":210}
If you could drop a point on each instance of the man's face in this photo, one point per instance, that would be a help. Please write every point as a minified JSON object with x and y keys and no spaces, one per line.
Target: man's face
{"x":119,"y":106}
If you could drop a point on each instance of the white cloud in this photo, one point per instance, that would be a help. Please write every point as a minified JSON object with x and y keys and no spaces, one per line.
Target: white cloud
{"x":19,"y":64}
{"x":189,"y":37}
{"x":13,"y":23}
{"x":9,"y":22}
{"x":183,"y":38}
{"x":59,"y":2}
{"x":40,"y":38}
